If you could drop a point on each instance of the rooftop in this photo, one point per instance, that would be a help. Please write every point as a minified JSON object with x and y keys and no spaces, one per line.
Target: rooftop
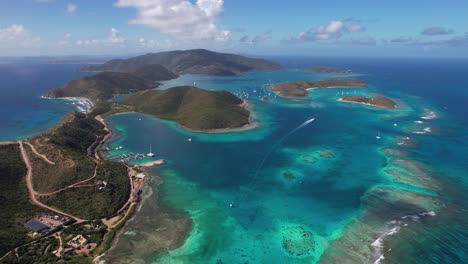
{"x":36,"y":225}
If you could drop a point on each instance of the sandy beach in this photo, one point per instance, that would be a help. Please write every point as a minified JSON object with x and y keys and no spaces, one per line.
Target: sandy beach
{"x":352,"y":102}
{"x":152,"y":163}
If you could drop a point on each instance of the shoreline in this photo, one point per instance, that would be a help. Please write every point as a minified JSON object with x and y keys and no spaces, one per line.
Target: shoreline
{"x":151,"y":163}
{"x":366,"y":104}
{"x":279,"y":93}
{"x":252,"y":123}
{"x":89,"y":101}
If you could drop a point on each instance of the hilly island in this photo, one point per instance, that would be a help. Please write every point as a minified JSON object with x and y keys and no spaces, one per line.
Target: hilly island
{"x":197,"y":61}
{"x":191,"y":107}
{"x":301,"y":88}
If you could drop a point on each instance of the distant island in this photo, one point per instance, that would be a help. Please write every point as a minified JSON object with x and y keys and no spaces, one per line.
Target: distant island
{"x":378,"y":101}
{"x":191,"y":107}
{"x":102,"y":86}
{"x":301,"y":88}
{"x":323,"y":69}
{"x":197,"y":61}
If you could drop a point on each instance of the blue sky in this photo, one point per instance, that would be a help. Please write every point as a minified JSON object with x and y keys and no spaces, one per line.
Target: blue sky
{"x":431,"y":28}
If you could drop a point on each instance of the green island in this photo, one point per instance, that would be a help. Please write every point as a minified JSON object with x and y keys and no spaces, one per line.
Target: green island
{"x":60,"y":200}
{"x":329,"y":70}
{"x":377,"y":101}
{"x":301,"y":88}
{"x":197,"y":61}
{"x":102,"y":86}
{"x":191,"y":107}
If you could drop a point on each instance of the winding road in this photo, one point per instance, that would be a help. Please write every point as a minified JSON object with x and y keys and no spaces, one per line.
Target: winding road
{"x":42,"y":156}
{"x":32,"y":193}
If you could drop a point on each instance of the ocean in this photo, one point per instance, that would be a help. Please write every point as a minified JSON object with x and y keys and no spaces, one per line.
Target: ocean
{"x":292,"y":191}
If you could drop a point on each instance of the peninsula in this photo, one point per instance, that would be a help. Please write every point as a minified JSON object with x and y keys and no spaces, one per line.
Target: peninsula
{"x":323,"y":69}
{"x":191,"y":107}
{"x":102,"y":86}
{"x":301,"y":88}
{"x":378,"y":101}
{"x":197,"y":61}
{"x":70,"y":202}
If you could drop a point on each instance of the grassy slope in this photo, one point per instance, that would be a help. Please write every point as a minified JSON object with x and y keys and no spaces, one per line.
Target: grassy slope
{"x":102,"y":86}
{"x":66,"y":144}
{"x":15,"y":208}
{"x":299,"y":88}
{"x":191,"y":107}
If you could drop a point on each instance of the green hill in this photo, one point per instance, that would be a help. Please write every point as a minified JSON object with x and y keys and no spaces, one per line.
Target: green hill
{"x":301,"y":88}
{"x":103,"y":86}
{"x":190,"y":107}
{"x":154,"y":72}
{"x":197,"y":61}
{"x":377,"y":101}
{"x":70,"y":145}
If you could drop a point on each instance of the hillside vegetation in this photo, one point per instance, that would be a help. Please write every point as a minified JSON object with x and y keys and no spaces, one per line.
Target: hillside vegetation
{"x":378,"y":101}
{"x":70,"y":145}
{"x":15,"y":207}
{"x":300,"y":88}
{"x":103,"y":86}
{"x":190,"y":107}
{"x":197,"y":61}
{"x":154,"y":72}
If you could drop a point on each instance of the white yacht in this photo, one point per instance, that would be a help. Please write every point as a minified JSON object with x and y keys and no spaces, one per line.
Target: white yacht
{"x":150,"y":154}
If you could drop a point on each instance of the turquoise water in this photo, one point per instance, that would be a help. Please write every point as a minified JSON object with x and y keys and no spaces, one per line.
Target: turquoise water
{"x":322,"y":193}
{"x":311,"y":194}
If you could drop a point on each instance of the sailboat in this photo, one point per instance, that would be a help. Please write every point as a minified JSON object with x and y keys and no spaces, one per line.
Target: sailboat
{"x":378,"y":135}
{"x":150,"y":154}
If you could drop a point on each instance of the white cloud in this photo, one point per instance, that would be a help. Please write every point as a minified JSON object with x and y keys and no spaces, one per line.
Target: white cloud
{"x":17,"y":34}
{"x":181,"y":18}
{"x":156,"y":44}
{"x":115,"y":36}
{"x":114,"y":39}
{"x":71,"y":8}
{"x":331,"y":31}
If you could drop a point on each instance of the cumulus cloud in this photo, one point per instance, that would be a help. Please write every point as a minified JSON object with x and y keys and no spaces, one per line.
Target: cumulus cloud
{"x":114,"y":39}
{"x":182,"y":19}
{"x":401,"y":39}
{"x":331,"y":31}
{"x":71,"y":8}
{"x":436,"y":31}
{"x":17,"y":34}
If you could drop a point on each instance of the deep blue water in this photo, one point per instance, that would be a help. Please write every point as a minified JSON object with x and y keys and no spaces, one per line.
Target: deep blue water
{"x":24,"y":112}
{"x":336,"y":162}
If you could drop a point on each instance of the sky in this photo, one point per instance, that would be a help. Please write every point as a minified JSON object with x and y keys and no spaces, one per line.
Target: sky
{"x":399,"y":28}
